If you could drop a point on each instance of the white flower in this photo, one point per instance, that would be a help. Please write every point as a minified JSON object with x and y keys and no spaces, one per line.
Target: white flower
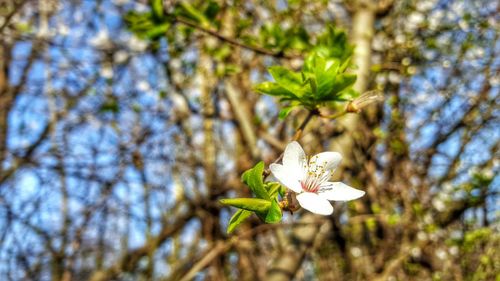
{"x":309,"y":179}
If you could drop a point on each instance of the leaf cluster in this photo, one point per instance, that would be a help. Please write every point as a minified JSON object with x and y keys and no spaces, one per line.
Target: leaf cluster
{"x":323,"y":79}
{"x":150,"y":25}
{"x":154,"y":24}
{"x":264,"y":204}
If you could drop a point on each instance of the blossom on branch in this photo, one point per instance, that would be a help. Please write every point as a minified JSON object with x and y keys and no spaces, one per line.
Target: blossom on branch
{"x":309,"y":179}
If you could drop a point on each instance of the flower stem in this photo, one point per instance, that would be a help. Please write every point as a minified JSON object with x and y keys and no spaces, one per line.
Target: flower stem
{"x":300,"y":129}
{"x":336,"y":115}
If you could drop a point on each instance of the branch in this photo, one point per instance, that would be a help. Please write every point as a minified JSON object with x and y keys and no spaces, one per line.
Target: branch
{"x":130,"y":260}
{"x":232,"y":41}
{"x":300,"y":130}
{"x":242,"y":115}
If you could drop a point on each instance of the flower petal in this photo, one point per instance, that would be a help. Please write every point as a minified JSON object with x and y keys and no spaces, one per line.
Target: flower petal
{"x":338,"y":191}
{"x":314,"y":203}
{"x":287,"y":177}
{"x":329,"y":160}
{"x":294,"y":159}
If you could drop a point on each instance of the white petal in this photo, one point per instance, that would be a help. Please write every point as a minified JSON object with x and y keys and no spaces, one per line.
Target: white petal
{"x":314,"y":203}
{"x":287,"y":177}
{"x":329,"y":160}
{"x":338,"y":191}
{"x":294,"y":159}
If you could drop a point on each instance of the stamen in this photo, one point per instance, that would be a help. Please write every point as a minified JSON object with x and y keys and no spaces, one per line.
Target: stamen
{"x":316,"y":175}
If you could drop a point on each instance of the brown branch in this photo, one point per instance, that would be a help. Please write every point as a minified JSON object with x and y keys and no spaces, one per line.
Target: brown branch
{"x":232,"y":41}
{"x":130,"y":260}
{"x":300,"y":130}
{"x":241,"y":114}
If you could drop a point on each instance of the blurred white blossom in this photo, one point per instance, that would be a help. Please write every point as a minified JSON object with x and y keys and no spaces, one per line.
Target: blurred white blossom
{"x":356,"y":252}
{"x":175,"y":63}
{"x":438,"y":204}
{"x":101,"y":39}
{"x":62,"y":29}
{"x":120,"y":56}
{"x":143,"y":85}
{"x":137,"y":45}
{"x":454,"y":250}
{"x":441,"y":254}
{"x":435,"y":19}
{"x":416,"y":252}
{"x":394,"y":77}
{"x":426,"y":5}
{"x":106,"y":71}
{"x":415,"y":19}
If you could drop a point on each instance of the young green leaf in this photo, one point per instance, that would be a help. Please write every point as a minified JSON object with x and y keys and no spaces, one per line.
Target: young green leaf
{"x":157,"y":31}
{"x":237,"y":219}
{"x":312,"y":83}
{"x":325,"y":75}
{"x":253,"y":178}
{"x":288,"y":79}
{"x":273,"y":89}
{"x":344,"y":65}
{"x":192,"y":13}
{"x":250,"y":204}
{"x":274,"y":215}
{"x":157,"y":8}
{"x":273,"y":189}
{"x":343,"y":81}
{"x":347,"y":94}
{"x":285,"y":111}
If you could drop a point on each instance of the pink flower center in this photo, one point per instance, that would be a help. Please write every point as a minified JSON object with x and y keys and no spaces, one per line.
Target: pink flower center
{"x":310,"y":184}
{"x":315,"y":176}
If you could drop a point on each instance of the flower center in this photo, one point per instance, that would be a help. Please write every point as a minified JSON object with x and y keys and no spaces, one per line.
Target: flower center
{"x":310,"y":185}
{"x":316,"y":174}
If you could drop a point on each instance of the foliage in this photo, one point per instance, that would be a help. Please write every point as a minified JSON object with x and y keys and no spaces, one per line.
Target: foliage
{"x":323,"y":79}
{"x":265,"y":206}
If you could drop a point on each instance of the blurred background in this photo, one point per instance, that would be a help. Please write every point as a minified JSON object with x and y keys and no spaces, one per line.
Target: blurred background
{"x":122,"y":123}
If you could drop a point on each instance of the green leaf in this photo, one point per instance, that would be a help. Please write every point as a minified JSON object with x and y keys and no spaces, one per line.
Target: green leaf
{"x":193,"y":14}
{"x":326,"y":77}
{"x":285,"y":111}
{"x":344,"y":65}
{"x":157,"y":8}
{"x":212,"y":10}
{"x":253,"y":178}
{"x":288,"y":79}
{"x":249,"y":204}
{"x":273,"y":89}
{"x":157,"y":31}
{"x":237,"y":219}
{"x":273,"y":189}
{"x":274,"y":215}
{"x":312,"y":83}
{"x":343,"y":81}
{"x":347,"y":94}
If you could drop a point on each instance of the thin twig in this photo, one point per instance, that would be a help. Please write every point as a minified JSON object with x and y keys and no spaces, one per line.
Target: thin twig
{"x":300,"y":130}
{"x":258,"y":50}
